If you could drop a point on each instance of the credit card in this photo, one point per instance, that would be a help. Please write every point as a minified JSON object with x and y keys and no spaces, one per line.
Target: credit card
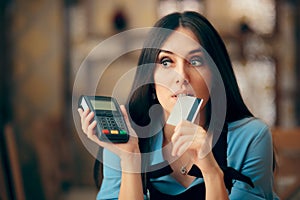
{"x":186,"y":108}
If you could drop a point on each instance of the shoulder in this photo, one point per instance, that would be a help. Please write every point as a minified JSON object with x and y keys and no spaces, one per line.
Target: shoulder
{"x":248,"y":138}
{"x":250,"y":151}
{"x":248,"y":129}
{"x":247,"y":123}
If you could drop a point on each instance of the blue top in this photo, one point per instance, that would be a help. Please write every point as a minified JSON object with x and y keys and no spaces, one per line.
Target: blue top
{"x":249,"y":151}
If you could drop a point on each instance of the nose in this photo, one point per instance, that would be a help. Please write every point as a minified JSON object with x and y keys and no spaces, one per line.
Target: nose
{"x":182,"y":74}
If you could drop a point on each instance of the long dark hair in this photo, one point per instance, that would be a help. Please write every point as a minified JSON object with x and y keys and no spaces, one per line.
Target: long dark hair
{"x":209,"y":40}
{"x":141,"y":96}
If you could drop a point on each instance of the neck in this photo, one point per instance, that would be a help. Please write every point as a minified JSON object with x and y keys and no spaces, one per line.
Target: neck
{"x":168,"y":132}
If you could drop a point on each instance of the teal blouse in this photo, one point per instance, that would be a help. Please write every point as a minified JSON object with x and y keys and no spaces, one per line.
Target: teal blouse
{"x":249,"y":151}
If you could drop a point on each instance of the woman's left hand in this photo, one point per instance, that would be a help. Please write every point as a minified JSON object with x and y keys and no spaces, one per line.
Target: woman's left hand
{"x":193,"y":139}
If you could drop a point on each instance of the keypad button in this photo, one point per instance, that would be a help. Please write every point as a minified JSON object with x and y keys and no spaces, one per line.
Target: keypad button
{"x":114,"y":132}
{"x":105,"y":131}
{"x":112,"y":124}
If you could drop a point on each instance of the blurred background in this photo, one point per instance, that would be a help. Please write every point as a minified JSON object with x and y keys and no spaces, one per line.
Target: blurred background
{"x":44,"y":42}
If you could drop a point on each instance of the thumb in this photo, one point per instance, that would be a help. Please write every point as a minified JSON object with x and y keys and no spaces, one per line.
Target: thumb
{"x":126,"y":118}
{"x":124,"y":112}
{"x":125,"y":115}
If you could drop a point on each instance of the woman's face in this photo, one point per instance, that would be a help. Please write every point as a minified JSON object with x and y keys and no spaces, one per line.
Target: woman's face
{"x":181,"y":69}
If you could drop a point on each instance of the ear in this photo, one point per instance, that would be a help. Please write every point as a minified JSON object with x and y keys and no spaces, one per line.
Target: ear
{"x":153,"y":91}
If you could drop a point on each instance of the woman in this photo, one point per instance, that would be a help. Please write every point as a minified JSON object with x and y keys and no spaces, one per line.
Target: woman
{"x":240,"y":164}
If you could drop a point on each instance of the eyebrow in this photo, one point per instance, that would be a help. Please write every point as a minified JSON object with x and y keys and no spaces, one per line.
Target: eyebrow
{"x":191,"y":52}
{"x":196,"y":51}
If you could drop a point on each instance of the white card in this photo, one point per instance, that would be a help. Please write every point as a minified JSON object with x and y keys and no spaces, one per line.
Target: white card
{"x":186,"y":108}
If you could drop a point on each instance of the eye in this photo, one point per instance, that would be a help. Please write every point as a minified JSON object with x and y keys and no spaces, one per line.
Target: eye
{"x":166,"y":62}
{"x":196,"y":61}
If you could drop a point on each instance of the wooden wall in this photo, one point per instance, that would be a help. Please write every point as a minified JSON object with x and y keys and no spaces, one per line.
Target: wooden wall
{"x":42,"y":143}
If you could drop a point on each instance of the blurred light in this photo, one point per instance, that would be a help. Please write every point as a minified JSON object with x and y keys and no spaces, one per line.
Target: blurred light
{"x":256,"y":80}
{"x":259,"y":14}
{"x":169,"y":6}
{"x":166,"y":7}
{"x":192,"y":5}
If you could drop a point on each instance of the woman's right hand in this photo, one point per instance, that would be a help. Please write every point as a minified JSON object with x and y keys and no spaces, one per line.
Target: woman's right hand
{"x":129,"y":152}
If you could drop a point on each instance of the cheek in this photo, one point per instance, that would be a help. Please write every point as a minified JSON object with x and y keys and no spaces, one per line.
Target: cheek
{"x":164,"y":82}
{"x":163,"y":96}
{"x":163,"y":77}
{"x":202,"y":85}
{"x":160,"y":91}
{"x":205,"y":96}
{"x":201,"y":90}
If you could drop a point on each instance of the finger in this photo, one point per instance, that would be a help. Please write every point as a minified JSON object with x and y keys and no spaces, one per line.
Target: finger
{"x":185,"y":128}
{"x":182,"y":130}
{"x":80,"y":111}
{"x":91,"y":129}
{"x":87,"y":121}
{"x":83,"y":115}
{"x":176,"y":135}
{"x":94,"y":137}
{"x":92,"y":134}
{"x":188,"y":143}
{"x":182,"y":123}
{"x":125,"y":115}
{"x":90,"y":116}
{"x":182,"y":141}
{"x":85,"y":112}
{"x":183,"y":148}
{"x":126,"y":118}
{"x":178,"y":126}
{"x":124,"y":112}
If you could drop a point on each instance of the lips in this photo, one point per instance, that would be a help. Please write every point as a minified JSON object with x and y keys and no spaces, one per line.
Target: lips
{"x":182,"y":92}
